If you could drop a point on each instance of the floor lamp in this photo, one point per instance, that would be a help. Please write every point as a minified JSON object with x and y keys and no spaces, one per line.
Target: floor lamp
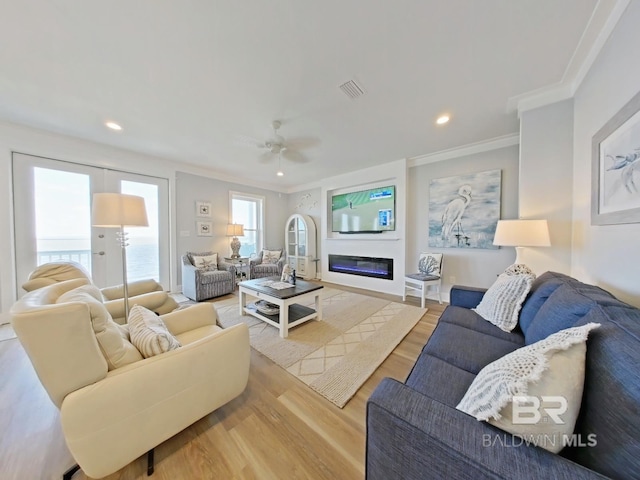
{"x":522,"y":233}
{"x":117,"y":210}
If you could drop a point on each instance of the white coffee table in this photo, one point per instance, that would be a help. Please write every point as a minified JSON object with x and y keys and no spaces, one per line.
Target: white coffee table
{"x":291,"y":312}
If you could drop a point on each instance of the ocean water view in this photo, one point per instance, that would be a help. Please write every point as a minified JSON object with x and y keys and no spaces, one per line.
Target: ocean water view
{"x":142,"y":258}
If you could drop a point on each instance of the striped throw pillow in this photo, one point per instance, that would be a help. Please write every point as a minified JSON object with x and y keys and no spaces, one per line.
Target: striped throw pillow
{"x":148,"y":332}
{"x":501,"y":304}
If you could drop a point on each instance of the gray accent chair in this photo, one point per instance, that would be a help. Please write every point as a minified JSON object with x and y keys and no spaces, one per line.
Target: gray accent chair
{"x":201,"y":285}
{"x":257,"y":269}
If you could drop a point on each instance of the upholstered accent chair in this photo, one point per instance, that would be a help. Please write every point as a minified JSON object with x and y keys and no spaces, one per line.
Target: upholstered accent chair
{"x":115,"y":405}
{"x":429,"y":274}
{"x":202,"y":279}
{"x":147,"y":293}
{"x":267,"y":263}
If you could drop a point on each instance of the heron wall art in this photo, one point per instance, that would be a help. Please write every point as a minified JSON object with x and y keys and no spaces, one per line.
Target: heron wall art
{"x":464,"y":210}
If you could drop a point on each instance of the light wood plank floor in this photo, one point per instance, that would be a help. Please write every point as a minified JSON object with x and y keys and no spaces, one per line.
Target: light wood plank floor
{"x":277,"y":429}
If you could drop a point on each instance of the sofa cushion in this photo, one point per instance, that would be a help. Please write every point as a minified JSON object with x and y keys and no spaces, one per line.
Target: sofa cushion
{"x":466,"y":318}
{"x":113,"y":340}
{"x":467,"y":349}
{"x":541,"y":289}
{"x":564,"y":307}
{"x":551,"y":367}
{"x":149,"y":333}
{"x":215,"y":276}
{"x":502,"y":302}
{"x":611,"y":397}
{"x":439,"y":380}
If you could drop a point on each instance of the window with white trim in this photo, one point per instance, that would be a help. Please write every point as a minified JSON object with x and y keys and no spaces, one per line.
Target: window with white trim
{"x":248,"y":210}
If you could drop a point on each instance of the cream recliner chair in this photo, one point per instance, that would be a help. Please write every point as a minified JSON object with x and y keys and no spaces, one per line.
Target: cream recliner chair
{"x":114,"y":405}
{"x":147,"y":293}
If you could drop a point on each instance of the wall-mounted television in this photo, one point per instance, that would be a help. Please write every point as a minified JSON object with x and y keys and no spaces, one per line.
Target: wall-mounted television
{"x":364,"y":211}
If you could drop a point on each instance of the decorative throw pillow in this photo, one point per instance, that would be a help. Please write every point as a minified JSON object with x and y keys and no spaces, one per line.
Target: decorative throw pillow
{"x":271,"y":256}
{"x":534,"y":392}
{"x":206,"y":263}
{"x":149,"y":333}
{"x":501,"y":304}
{"x":519,"y":269}
{"x":112,"y":339}
{"x":429,"y":264}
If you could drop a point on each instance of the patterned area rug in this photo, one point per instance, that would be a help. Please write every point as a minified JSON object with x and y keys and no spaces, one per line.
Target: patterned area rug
{"x":334,"y":356}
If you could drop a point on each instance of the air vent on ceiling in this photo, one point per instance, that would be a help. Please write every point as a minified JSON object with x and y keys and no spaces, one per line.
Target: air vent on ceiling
{"x":351,"y":89}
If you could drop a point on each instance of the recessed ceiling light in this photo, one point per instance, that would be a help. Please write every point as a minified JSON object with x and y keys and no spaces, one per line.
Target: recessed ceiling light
{"x":280,"y":173}
{"x":442,"y":119}
{"x":113,"y":126}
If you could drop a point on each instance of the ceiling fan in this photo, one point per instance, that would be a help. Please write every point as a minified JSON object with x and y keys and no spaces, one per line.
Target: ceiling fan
{"x":277,"y":146}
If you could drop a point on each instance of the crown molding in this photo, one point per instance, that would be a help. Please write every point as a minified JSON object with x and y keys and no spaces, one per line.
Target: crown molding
{"x":604,"y":19}
{"x":465,"y":150}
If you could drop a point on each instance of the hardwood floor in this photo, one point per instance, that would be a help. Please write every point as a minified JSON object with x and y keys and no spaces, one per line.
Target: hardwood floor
{"x":277,"y":429}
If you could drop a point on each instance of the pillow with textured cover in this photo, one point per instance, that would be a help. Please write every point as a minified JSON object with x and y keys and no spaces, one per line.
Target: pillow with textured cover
{"x":519,"y":269}
{"x":534,"y":392}
{"x":501,"y":303}
{"x":149,"y":333}
{"x":429,"y":264}
{"x":206,"y":263}
{"x":271,"y":256}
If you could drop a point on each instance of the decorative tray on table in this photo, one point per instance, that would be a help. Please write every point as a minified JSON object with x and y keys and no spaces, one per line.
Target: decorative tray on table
{"x":267,"y":308}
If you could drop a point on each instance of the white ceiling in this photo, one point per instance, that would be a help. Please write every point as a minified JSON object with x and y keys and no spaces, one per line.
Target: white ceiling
{"x":185,"y":78}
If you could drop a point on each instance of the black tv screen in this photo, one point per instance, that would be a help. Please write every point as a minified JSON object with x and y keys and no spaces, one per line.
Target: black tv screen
{"x":364,"y":211}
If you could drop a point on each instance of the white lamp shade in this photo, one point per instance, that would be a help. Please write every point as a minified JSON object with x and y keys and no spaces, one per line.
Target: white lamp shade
{"x":522,"y":233}
{"x":118,"y":210}
{"x":235,"y":230}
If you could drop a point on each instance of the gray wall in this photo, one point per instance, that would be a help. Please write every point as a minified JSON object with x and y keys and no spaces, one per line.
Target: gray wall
{"x":193,"y":188}
{"x":474,"y":267}
{"x":606,"y":255}
{"x":546,"y":156}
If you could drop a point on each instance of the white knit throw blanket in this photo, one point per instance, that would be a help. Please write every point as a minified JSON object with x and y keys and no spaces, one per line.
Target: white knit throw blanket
{"x":497,"y":383}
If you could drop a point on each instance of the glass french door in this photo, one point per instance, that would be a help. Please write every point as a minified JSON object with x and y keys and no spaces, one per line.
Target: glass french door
{"x":52,"y":217}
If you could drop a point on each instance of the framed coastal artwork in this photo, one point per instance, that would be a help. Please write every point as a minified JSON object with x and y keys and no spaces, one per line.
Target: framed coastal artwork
{"x":464,"y":210}
{"x":615,"y":168}
{"x":204,"y":229}
{"x":203,"y":209}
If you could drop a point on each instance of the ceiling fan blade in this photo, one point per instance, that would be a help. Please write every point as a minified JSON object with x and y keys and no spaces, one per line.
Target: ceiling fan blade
{"x":246,"y":141}
{"x":266,"y":157}
{"x":300,"y":143}
{"x":294,"y":156}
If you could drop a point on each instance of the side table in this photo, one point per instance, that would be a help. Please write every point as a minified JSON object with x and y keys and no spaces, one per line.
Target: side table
{"x":241,"y":264}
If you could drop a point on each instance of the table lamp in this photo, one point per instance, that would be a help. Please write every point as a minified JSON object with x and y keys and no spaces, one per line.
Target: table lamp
{"x":235,"y":230}
{"x":117,"y":210}
{"x":522,"y":233}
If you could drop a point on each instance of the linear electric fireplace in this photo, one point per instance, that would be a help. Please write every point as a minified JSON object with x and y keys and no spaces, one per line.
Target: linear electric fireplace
{"x":363,"y":266}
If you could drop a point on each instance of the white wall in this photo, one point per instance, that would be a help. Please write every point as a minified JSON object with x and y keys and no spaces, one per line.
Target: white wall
{"x":546,"y":171}
{"x":473,"y":267}
{"x":384,"y":245}
{"x":605,"y":255}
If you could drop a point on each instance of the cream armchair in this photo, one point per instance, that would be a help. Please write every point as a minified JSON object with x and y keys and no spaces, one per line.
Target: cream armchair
{"x":147,"y":293}
{"x":112,"y":415}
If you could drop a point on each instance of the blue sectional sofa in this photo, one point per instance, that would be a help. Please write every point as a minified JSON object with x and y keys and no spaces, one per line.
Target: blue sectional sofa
{"x":415,"y":432}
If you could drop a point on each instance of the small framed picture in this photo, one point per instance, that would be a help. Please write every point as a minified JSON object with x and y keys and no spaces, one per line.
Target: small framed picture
{"x":204,"y":229}
{"x":203,"y":209}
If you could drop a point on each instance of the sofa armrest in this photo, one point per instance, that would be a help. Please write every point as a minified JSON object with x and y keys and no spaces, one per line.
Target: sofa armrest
{"x":410,"y":435}
{"x":190,"y":318}
{"x":228,"y":267}
{"x":158,"y":302}
{"x":467,"y":297}
{"x":139,"y":406}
